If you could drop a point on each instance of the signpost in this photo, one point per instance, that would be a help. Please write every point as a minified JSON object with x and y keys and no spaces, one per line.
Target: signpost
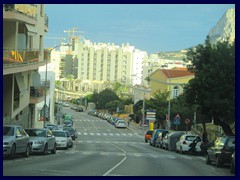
{"x":177,"y":121}
{"x":151,"y":116}
{"x":187,"y":121}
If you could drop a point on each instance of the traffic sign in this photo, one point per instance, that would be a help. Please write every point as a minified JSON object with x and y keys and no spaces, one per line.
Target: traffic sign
{"x":187,"y":121}
{"x":177,"y":120}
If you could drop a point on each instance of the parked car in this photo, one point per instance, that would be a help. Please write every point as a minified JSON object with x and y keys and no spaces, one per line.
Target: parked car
{"x":120,"y":124}
{"x":148,"y":135}
{"x":72,"y":132}
{"x":69,"y":139}
{"x":154,"y":137}
{"x":79,"y":109}
{"x":68,"y":123}
{"x":221,"y":151}
{"x":42,"y":140}
{"x":182,"y":145}
{"x":232,"y":166}
{"x":61,"y":139}
{"x":165,"y":141}
{"x":15,"y":141}
{"x":159,"y":140}
{"x":172,"y":138}
{"x":51,"y":126}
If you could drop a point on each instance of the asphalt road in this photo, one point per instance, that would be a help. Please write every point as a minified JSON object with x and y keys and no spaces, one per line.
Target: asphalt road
{"x":103,"y":150}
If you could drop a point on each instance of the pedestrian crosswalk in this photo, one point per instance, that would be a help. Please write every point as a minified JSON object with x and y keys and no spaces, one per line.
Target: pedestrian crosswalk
{"x":106,"y":134}
{"x":90,"y":120}
{"x":137,"y":155}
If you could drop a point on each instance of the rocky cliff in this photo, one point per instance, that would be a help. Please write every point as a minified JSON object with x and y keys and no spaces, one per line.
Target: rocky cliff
{"x":225,"y":28}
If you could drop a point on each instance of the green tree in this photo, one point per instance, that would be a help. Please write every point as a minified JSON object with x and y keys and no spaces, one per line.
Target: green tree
{"x":159,"y":103}
{"x":113,"y":105}
{"x":119,"y":88}
{"x":213,"y":88}
{"x":102,"y":98}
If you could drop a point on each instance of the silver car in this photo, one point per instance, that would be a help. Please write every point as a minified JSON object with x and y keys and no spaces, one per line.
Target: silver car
{"x":61,"y":139}
{"x":69,"y":139}
{"x":15,"y":141}
{"x":42,"y":140}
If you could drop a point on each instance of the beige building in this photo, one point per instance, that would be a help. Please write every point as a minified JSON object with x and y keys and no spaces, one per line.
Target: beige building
{"x":24,"y":26}
{"x":172,"y":80}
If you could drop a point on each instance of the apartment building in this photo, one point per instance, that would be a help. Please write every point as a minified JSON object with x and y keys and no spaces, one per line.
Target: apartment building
{"x":96,"y":66}
{"x":24,"y":26}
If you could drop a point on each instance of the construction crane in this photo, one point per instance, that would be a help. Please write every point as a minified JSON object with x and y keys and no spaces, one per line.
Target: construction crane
{"x":73,"y":31}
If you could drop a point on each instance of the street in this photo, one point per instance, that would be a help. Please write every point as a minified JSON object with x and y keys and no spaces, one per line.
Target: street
{"x":103,"y":150}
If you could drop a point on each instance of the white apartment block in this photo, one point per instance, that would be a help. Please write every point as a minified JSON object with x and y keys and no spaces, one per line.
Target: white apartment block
{"x":99,"y":65}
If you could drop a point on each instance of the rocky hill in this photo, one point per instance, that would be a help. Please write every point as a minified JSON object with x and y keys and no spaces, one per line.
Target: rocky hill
{"x":225,"y":28}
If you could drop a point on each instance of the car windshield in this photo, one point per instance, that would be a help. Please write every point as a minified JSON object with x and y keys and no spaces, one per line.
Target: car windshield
{"x":36,"y":132}
{"x":59,"y":133}
{"x":190,"y":138}
{"x":8,"y":131}
{"x":149,"y":132}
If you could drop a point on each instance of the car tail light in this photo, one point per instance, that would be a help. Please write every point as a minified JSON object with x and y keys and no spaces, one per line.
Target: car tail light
{"x":184,"y":142}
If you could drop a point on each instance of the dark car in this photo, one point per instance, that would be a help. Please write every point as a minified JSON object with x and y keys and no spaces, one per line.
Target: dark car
{"x":154,"y":137}
{"x":148,"y":135}
{"x":72,"y":132}
{"x":79,"y":109}
{"x":232,"y":167}
{"x":221,"y":151}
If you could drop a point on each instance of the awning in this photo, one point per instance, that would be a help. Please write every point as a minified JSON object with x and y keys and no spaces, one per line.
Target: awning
{"x":31,"y":29}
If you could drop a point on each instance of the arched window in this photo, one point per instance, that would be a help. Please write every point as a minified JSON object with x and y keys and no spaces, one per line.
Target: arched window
{"x":175,"y":91}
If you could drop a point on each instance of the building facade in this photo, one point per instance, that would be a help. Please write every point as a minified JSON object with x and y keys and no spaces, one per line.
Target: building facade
{"x":24,"y":26}
{"x":171,"y":80}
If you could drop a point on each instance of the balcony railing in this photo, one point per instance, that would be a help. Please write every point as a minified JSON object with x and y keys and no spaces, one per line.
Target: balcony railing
{"x":23,"y":56}
{"x":29,"y":10}
{"x":36,"y":92}
{"x":46,"y":20}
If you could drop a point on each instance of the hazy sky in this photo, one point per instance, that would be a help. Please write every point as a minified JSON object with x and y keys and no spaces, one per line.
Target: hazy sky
{"x":148,"y":27}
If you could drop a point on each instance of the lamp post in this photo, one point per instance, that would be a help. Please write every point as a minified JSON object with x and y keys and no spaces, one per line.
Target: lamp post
{"x":45,"y":95}
{"x":169,"y":103}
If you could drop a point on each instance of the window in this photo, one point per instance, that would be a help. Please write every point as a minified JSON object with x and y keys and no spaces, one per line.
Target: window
{"x":175,"y":91}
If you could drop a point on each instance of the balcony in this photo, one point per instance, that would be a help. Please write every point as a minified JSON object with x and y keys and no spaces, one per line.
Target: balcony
{"x":23,"y":59}
{"x":11,"y":56}
{"x":46,"y":23}
{"x":36,"y":94}
{"x":28,"y":10}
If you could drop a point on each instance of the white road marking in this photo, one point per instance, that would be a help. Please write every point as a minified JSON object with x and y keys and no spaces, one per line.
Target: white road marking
{"x":118,"y":164}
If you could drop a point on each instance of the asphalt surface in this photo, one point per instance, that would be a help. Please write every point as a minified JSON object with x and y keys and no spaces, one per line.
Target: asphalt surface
{"x":103,"y":150}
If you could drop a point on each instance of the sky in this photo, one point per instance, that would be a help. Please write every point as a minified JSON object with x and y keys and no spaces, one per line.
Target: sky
{"x":148,"y":27}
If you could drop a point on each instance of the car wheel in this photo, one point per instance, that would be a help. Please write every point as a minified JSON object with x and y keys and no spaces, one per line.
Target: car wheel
{"x":66,"y":147}
{"x":181,"y":151}
{"x":54,"y":149}
{"x":12,"y":154}
{"x":45,"y":149}
{"x":26,"y":154}
{"x":208,"y":161}
{"x":232,"y":168}
{"x":218,"y":162}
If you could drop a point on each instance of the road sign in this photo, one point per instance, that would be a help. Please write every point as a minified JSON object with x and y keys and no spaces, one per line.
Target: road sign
{"x":187,"y":121}
{"x":177,"y":120}
{"x":151,"y":115}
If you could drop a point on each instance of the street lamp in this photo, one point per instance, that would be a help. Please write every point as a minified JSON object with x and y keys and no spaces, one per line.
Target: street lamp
{"x":169,"y":104}
{"x":45,"y":95}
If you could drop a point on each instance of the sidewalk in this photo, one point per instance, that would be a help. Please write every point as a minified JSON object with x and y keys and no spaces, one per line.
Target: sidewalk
{"x":134,"y":127}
